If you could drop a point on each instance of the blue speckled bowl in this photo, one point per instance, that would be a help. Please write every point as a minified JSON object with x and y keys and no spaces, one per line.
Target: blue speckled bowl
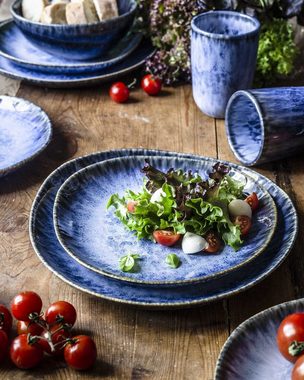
{"x":80,"y":42}
{"x":251,"y":351}
{"x":266,"y":124}
{"x":25,"y":130}
{"x":96,"y":238}
{"x":223,"y":56}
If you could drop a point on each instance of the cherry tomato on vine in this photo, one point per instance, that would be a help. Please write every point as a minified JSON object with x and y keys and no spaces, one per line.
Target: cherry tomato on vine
{"x":291,"y":329}
{"x":167,"y":238}
{"x":253,"y":201}
{"x":244,"y":222}
{"x":6,"y":319}
{"x":61,"y":311}
{"x":298,"y":369}
{"x":214,"y":242}
{"x":24,"y":304}
{"x":81,"y":353}
{"x":24,"y":327}
{"x":24,"y":353}
{"x":119,"y":92}
{"x":151,"y":84}
{"x":3,"y":345}
{"x":57,"y":336}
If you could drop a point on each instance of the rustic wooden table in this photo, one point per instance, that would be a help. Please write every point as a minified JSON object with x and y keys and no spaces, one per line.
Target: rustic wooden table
{"x":134,"y":343}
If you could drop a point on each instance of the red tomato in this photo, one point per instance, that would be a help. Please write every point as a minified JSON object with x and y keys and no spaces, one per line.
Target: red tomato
{"x":151,"y":85}
{"x":291,"y":329}
{"x":253,"y":201}
{"x":24,"y":304}
{"x":298,"y":369}
{"x":28,"y":328}
{"x":119,"y":92}
{"x":131,"y":206}
{"x":57,"y":337}
{"x":81,"y":354}
{"x":6,"y":319}
{"x":165,"y":237}
{"x":244,"y":222}
{"x":3,"y":345}
{"x":25,"y":354}
{"x":214,"y":243}
{"x":61,"y":311}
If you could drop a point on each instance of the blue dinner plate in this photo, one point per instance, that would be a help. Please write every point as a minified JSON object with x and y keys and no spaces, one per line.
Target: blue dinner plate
{"x":63,"y":80}
{"x":17,"y":48}
{"x":96,"y":238}
{"x":25,"y":130}
{"x":55,"y":258}
{"x":251,"y":351}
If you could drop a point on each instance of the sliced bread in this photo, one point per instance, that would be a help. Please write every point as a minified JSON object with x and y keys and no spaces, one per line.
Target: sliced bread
{"x":106,"y":9}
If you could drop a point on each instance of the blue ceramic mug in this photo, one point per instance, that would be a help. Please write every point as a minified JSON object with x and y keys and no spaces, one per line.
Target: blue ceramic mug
{"x":223,"y":57}
{"x":266,"y":124}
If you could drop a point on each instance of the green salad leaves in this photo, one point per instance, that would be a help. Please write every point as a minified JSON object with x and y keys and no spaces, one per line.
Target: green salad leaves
{"x":186,"y":202}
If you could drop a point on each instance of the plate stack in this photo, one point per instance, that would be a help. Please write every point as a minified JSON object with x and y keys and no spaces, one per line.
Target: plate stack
{"x":74,"y":55}
{"x":81,"y":241}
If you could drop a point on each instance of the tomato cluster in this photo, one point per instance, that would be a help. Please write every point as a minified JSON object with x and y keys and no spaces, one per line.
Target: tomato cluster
{"x":38,"y":334}
{"x":290,"y":341}
{"x":120,"y":92}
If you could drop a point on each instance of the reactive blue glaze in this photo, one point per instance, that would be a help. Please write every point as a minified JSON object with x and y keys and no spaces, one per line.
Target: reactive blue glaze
{"x":223,"y":57}
{"x":25,"y":130}
{"x":266,"y":124}
{"x":18,"y":49}
{"x":52,"y":254}
{"x":78,"y":42}
{"x":96,"y":238}
{"x":64,"y":80}
{"x":251,"y":351}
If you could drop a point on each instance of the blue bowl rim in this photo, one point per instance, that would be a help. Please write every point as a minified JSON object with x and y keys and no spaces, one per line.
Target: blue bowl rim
{"x":222,"y":36}
{"x":262,"y":125}
{"x":70,"y":26}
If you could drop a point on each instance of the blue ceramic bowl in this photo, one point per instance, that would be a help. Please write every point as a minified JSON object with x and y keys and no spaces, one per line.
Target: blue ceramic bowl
{"x":77,"y":42}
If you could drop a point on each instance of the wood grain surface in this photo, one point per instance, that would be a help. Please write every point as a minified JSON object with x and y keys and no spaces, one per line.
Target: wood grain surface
{"x":134,"y":343}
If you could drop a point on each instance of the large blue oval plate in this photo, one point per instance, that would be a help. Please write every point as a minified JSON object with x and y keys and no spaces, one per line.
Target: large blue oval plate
{"x":25,"y":131}
{"x":251,"y":351}
{"x":54,"y":257}
{"x":95,"y":237}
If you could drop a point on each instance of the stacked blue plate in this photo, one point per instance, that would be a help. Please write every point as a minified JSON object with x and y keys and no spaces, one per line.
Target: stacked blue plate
{"x":81,"y":242}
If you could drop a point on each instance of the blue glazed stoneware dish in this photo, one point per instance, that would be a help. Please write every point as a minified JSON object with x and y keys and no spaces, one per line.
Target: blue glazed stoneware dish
{"x":266,"y":124}
{"x":96,"y":238}
{"x":25,"y":131}
{"x":55,"y":258}
{"x":251,"y":351}
{"x":66,"y":80}
{"x":223,"y":57}
{"x":17,"y":48}
{"x":80,"y":42}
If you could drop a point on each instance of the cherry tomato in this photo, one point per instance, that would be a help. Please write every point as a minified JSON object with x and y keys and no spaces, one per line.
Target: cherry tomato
{"x":28,"y":328}
{"x":119,"y":92}
{"x":291,"y":329}
{"x":131,"y":206}
{"x":6,"y":319}
{"x":3,"y":345}
{"x":214,"y":243}
{"x":81,"y":354}
{"x":253,"y":201}
{"x":244,"y":222}
{"x":165,"y":237}
{"x":57,"y":337}
{"x":24,"y":304}
{"x":61,"y":310}
{"x":25,"y":354}
{"x":298,"y":369}
{"x":151,"y":85}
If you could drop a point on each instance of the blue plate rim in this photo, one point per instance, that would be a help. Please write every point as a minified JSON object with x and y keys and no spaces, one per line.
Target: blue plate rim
{"x":257,"y":279}
{"x":146,"y":282}
{"x":49,"y":131}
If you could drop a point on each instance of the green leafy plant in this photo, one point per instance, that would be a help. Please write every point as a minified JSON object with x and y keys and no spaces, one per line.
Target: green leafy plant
{"x":173,"y":260}
{"x":127,"y":263}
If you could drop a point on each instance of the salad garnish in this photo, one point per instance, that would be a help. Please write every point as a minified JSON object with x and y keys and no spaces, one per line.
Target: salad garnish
{"x":173,"y":260}
{"x":128,"y":262}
